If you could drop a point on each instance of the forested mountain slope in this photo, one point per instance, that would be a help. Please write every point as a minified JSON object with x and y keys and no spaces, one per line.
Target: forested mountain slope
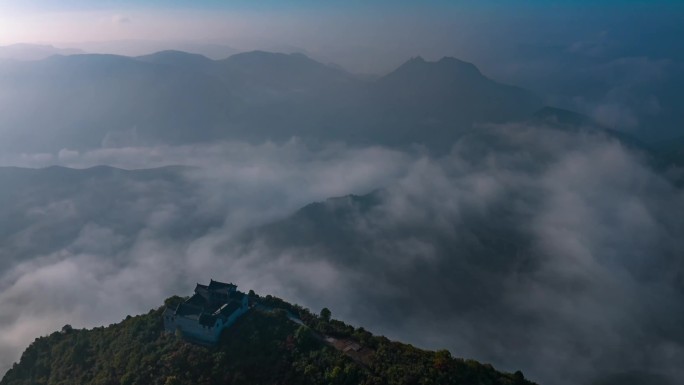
{"x":263,"y":347}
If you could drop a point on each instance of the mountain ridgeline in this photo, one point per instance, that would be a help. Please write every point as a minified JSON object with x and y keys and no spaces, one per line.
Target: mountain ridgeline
{"x":265,"y":346}
{"x":171,"y":97}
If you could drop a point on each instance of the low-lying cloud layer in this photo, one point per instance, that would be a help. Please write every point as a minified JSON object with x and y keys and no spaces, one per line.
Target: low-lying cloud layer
{"x":131,"y":241}
{"x":552,"y":252}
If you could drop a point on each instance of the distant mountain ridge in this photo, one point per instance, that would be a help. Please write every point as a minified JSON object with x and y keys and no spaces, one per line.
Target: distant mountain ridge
{"x":570,"y":120}
{"x":173,"y":97}
{"x":26,"y":52}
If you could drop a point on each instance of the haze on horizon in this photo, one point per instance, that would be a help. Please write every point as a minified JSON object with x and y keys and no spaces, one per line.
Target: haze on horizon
{"x":559,"y":49}
{"x":364,"y":37}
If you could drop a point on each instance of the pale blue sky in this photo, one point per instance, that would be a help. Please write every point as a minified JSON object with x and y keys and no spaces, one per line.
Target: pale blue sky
{"x":378,"y":30}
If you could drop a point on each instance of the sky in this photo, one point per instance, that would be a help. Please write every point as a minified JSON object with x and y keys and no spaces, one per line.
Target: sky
{"x":364,"y":36}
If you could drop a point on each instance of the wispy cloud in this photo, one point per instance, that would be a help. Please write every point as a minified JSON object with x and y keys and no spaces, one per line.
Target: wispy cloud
{"x":121,"y":19}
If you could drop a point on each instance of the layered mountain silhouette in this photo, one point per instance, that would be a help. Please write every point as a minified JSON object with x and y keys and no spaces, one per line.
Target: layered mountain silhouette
{"x":34,"y":51}
{"x":172,"y":97}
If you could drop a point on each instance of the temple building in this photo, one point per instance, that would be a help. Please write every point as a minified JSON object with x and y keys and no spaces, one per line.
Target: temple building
{"x":203,"y":317}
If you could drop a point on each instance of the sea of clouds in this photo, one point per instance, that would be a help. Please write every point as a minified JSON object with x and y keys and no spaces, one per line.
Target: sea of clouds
{"x":557,"y":253}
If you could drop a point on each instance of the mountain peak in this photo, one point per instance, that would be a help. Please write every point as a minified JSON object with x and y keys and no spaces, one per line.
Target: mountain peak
{"x":173,"y":54}
{"x":272,"y":342}
{"x":294,"y":71}
{"x":447,"y":69}
{"x":176,"y":59}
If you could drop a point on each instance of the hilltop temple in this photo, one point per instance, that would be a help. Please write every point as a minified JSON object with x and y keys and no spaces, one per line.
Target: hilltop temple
{"x":207,"y":313}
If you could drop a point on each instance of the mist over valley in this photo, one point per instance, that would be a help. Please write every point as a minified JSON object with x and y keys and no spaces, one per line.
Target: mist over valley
{"x":519,"y":205}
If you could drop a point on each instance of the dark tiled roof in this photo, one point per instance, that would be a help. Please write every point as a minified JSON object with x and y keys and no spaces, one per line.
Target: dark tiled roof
{"x":197,"y":300}
{"x":202,"y":290}
{"x":213,"y":285}
{"x":185,"y":309}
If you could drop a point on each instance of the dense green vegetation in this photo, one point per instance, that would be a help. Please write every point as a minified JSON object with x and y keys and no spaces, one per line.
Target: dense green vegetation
{"x":263,"y":347}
